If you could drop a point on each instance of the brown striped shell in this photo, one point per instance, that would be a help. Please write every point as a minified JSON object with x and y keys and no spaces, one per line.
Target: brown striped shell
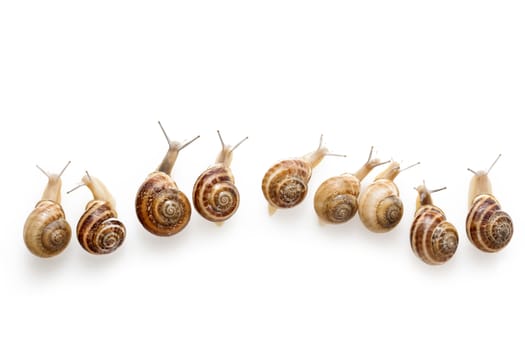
{"x":433,"y":239}
{"x":46,"y":231}
{"x":285,"y":184}
{"x":488,"y":227}
{"x":215,"y":196}
{"x":98,"y":230}
{"x":161,"y":208}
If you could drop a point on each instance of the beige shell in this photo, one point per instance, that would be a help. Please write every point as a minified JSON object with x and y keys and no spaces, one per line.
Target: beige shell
{"x":46,"y":232}
{"x":380,"y":208}
{"x":285,"y":184}
{"x":161,"y":207}
{"x":99,"y":231}
{"x":488,"y":227}
{"x":433,"y":239}
{"x":335,"y":200}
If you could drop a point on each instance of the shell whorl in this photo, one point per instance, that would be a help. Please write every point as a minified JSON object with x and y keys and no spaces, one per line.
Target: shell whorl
{"x":46,"y":231}
{"x":98,"y":230}
{"x":161,"y":208}
{"x":433,"y":239}
{"x":335,"y":200}
{"x":488,"y":227}
{"x":380,"y":208}
{"x":285,"y":185}
{"x":215,"y":196}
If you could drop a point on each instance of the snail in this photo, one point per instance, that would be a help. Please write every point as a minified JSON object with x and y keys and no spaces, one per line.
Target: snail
{"x":215,"y":196}
{"x":379,"y":206}
{"x":285,"y":184}
{"x":161,"y":208}
{"x":46,"y":231}
{"x":335,"y":200}
{"x":433,"y":239}
{"x":98,"y":229}
{"x":488,"y":227}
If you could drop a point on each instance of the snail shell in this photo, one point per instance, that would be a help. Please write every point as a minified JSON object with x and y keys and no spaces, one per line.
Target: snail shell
{"x":285,"y":184}
{"x":488,"y":227}
{"x":161,"y":208}
{"x":380,"y":208}
{"x":433,"y":239}
{"x":335,"y":200}
{"x":215,"y":196}
{"x":98,"y":229}
{"x":46,"y":231}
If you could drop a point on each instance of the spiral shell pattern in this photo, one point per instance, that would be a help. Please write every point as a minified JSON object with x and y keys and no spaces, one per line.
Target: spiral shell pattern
{"x":215,"y":196}
{"x":285,"y":185}
{"x":161,"y":208}
{"x":335,"y":200}
{"x":46,"y":231}
{"x":98,"y":230}
{"x":433,"y":239}
{"x":380,"y":207}
{"x":488,"y":227}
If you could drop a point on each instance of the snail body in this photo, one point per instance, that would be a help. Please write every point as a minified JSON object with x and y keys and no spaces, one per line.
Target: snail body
{"x":46,"y":231}
{"x":215,"y":196}
{"x":336,"y":199}
{"x":488,"y":227}
{"x":161,"y":207}
{"x":433,"y":239}
{"x":285,"y":184}
{"x":379,"y":206}
{"x":99,"y":231}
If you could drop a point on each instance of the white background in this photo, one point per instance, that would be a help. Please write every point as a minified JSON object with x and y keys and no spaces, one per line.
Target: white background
{"x":438,"y":82}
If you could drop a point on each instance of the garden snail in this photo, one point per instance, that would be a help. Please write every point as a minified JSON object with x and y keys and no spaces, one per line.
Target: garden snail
{"x":379,"y":206}
{"x":46,"y":231}
{"x":488,"y":227}
{"x":215,"y":196}
{"x":285,"y":184}
{"x":161,"y":208}
{"x":98,"y":229}
{"x":335,"y":200}
{"x":433,"y":239}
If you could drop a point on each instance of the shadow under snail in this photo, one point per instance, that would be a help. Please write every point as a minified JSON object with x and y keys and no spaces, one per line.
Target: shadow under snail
{"x":379,"y":206}
{"x":488,"y":227}
{"x":161,"y":207}
{"x":285,"y":184}
{"x":99,"y":231}
{"x":433,"y":239}
{"x":335,"y":200}
{"x":46,"y":231}
{"x":215,"y":196}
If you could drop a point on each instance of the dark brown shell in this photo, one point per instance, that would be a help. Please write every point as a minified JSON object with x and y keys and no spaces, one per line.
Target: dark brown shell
{"x":215,"y":196}
{"x":433,"y":239}
{"x":488,"y":227}
{"x":285,"y":185}
{"x":161,"y":208}
{"x":46,"y":231}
